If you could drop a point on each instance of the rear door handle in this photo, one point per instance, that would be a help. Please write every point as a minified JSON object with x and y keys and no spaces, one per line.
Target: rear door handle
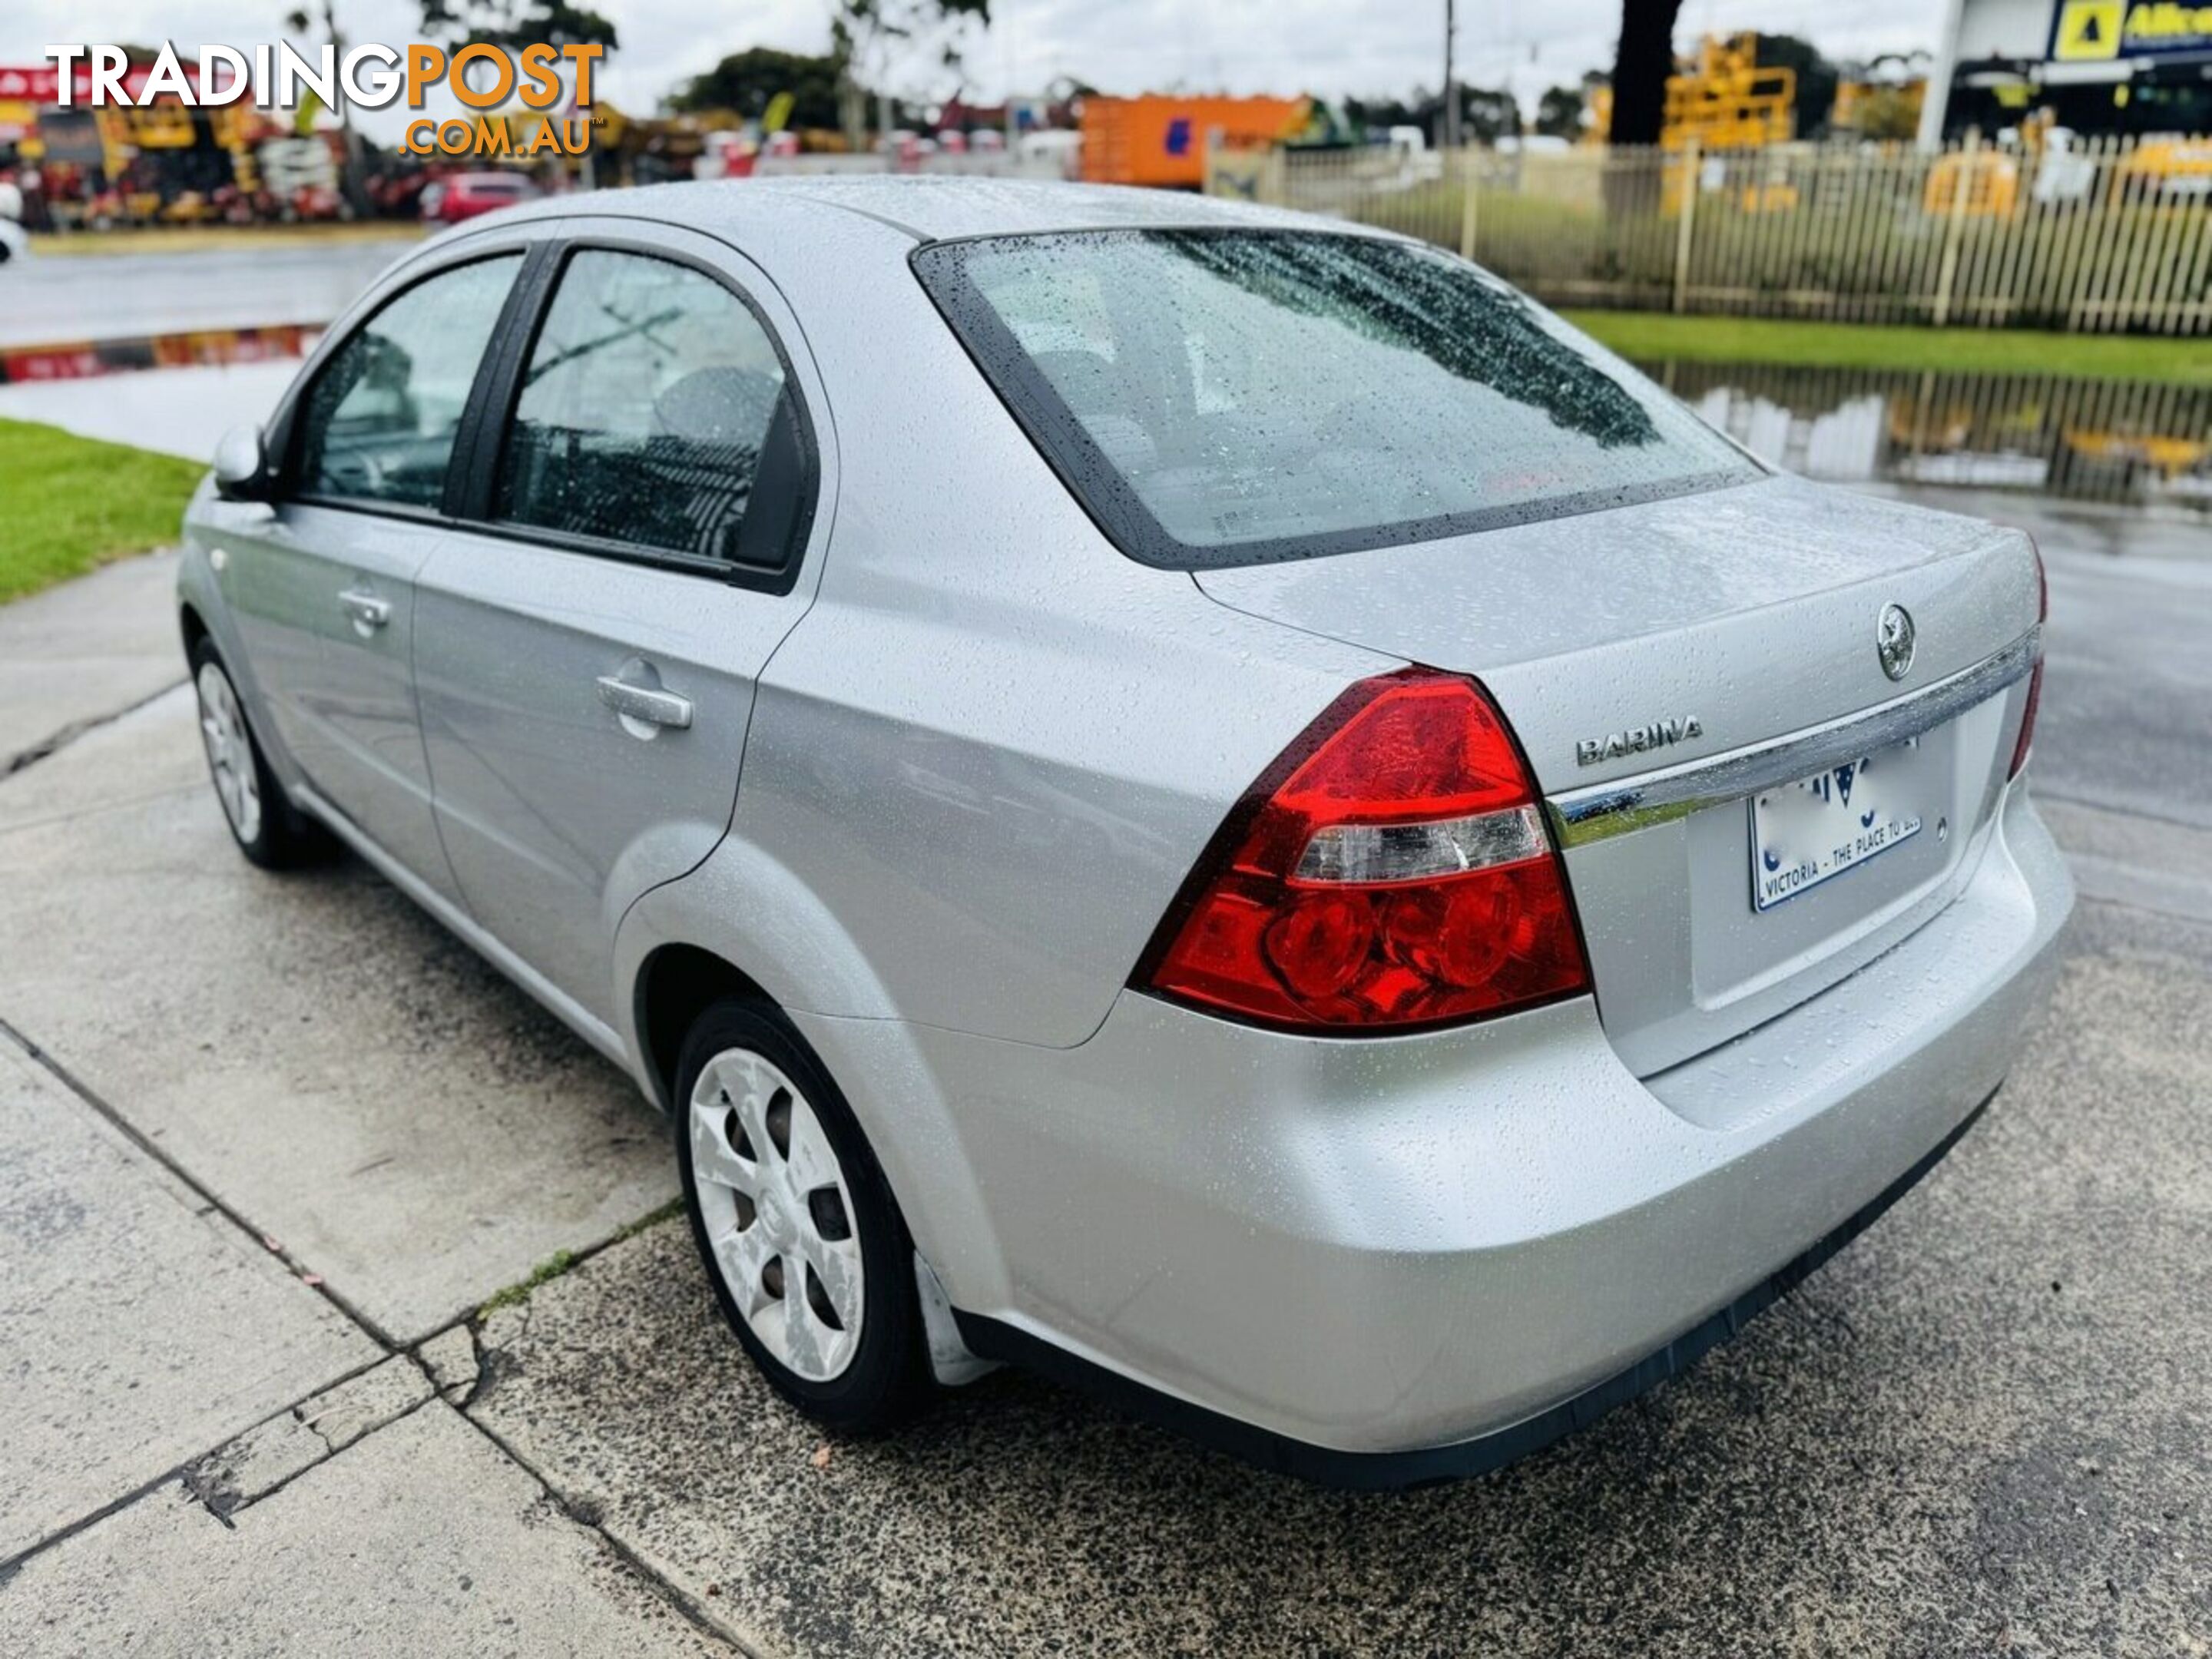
{"x":645,"y":702}
{"x":368,"y":612}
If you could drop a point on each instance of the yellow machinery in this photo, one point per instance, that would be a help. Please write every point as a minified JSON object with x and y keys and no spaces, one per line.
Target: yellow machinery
{"x":1892,"y":108}
{"x":1721,"y":99}
{"x":2168,"y":457}
{"x":1979,"y":182}
{"x":2170,"y":166}
{"x":124,"y":131}
{"x":1987,"y":183}
{"x":1726,"y":101}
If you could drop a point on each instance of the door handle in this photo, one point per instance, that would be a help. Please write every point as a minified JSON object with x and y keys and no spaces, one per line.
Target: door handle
{"x":368,"y":612}
{"x":645,"y":702}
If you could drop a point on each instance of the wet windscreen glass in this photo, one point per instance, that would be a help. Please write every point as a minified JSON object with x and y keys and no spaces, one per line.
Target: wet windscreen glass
{"x":1226,"y":397}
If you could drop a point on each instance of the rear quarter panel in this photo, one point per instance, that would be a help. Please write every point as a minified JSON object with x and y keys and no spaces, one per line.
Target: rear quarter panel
{"x":982,"y":765}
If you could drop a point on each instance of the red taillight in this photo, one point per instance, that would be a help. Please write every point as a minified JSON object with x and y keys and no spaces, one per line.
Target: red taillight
{"x":2025,"y":741}
{"x":1390,"y":870}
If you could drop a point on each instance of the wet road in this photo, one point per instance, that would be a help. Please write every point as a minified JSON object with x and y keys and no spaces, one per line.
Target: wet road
{"x":2128,"y":696}
{"x":2123,"y":765}
{"x":59,"y":299}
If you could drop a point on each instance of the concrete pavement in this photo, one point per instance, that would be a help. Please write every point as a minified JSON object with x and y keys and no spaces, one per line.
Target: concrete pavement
{"x":282,"y":1136}
{"x":233,"y":1419}
{"x":75,"y":656}
{"x":422,"y":1539}
{"x":317,"y":1050}
{"x":141,"y":1326}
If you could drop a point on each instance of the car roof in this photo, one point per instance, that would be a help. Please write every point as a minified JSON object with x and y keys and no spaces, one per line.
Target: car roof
{"x":930,"y":207}
{"x":941,"y":206}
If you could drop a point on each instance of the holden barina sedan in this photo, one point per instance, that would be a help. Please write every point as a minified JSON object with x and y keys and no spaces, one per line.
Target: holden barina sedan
{"x":1209,"y":802}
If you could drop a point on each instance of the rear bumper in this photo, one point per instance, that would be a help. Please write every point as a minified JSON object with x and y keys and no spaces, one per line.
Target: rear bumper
{"x":1388,"y":1261}
{"x":1422,"y":1466}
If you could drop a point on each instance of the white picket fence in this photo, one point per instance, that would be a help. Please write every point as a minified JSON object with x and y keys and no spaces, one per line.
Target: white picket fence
{"x":2108,"y":235}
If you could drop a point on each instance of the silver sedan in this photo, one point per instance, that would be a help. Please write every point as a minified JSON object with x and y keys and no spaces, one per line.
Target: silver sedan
{"x":1209,"y":802}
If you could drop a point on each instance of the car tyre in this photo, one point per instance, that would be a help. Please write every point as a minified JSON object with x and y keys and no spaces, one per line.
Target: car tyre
{"x":809,"y":1257}
{"x":269,"y":830}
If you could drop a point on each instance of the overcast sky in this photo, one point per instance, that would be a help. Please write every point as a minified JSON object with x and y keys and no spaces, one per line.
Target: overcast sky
{"x":1330,"y":47}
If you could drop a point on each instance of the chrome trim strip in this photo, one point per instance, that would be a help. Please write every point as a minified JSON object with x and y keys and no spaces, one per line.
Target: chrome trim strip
{"x":1580,"y":815}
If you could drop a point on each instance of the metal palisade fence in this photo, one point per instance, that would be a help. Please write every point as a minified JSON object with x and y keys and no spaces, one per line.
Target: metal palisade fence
{"x":2107,"y":235}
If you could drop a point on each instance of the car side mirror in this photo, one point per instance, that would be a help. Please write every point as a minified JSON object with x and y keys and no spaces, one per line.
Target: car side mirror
{"x":241,"y":465}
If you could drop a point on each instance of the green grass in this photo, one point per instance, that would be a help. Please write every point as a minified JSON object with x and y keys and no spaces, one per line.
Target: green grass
{"x":544,"y":1273}
{"x":1656,"y":336}
{"x":69,"y":503}
{"x":558,"y":1264}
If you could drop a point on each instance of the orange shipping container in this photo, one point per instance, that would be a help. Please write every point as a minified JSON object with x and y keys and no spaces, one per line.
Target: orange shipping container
{"x":1160,"y":140}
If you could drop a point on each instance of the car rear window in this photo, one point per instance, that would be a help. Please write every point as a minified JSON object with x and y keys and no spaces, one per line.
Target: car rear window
{"x":1233,"y":397}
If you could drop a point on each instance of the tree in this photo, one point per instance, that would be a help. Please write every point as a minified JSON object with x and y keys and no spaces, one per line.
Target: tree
{"x":1485,"y":115}
{"x":1379,"y":114}
{"x":865,"y":34}
{"x":744,"y":82}
{"x":514,"y":23}
{"x":1559,"y":112}
{"x":1816,"y":78}
{"x":1641,"y":63}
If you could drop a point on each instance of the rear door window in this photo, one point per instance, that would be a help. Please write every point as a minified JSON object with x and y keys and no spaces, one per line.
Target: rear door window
{"x":1227,"y":397}
{"x":653,"y":413}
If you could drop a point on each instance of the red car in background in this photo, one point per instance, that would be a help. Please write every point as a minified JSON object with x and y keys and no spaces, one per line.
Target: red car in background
{"x":464,"y":195}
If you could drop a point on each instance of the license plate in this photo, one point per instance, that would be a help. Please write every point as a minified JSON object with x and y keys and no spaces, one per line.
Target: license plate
{"x":1804,"y":833}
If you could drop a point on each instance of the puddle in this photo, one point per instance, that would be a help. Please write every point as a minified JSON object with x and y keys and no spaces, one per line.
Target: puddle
{"x":2119,"y":442}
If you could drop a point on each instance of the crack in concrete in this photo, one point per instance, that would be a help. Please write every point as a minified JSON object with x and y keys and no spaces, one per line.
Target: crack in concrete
{"x":53,"y":744}
{"x":487,"y":1357}
{"x":314,"y":1425}
{"x":201,"y":1473}
{"x":208,"y":1480}
{"x":477,"y":1386}
{"x":587,"y":1513}
{"x":363,"y":1439}
{"x":14,"y":1564}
